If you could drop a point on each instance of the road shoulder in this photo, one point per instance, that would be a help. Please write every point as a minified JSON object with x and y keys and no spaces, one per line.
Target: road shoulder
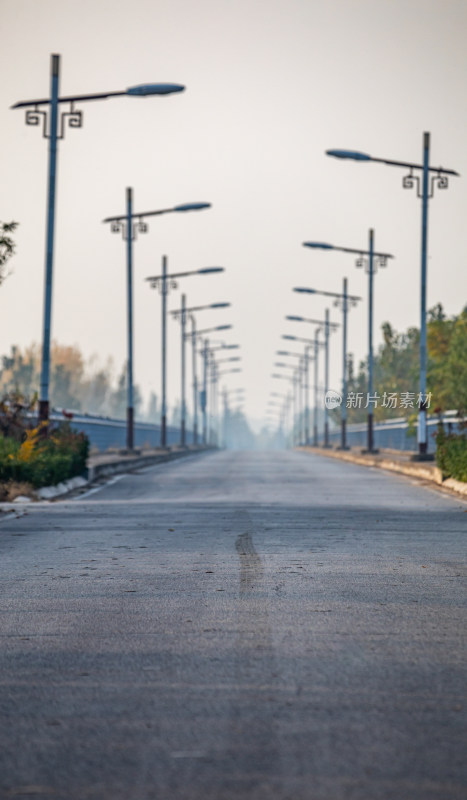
{"x":392,"y":461}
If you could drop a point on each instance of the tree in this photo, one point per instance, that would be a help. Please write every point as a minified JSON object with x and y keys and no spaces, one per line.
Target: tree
{"x":118,"y":401}
{"x":447,"y":360}
{"x":7,"y":246}
{"x":396,"y":367}
{"x":75,"y":384}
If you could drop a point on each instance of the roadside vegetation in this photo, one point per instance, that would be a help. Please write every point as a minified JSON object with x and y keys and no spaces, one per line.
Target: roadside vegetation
{"x":451,"y":454}
{"x":396,"y":370}
{"x":7,"y":247}
{"x":34,"y":455}
{"x":397,"y":363}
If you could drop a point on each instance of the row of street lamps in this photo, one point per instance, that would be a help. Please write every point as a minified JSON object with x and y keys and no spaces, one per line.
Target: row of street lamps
{"x":424,"y":177}
{"x":47,"y":113}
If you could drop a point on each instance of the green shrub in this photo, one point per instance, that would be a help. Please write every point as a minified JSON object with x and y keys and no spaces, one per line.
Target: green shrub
{"x":46,"y":456}
{"x":451,"y":454}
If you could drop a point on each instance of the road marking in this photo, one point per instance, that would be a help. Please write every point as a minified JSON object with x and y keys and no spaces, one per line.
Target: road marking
{"x":99,"y":488}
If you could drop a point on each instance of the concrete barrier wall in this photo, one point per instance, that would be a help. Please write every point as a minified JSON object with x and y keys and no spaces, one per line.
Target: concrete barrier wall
{"x":104,"y":432}
{"x":393,"y":434}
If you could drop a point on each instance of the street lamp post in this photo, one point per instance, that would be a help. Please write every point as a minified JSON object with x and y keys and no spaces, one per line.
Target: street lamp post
{"x":371,"y":267}
{"x":289,"y":404}
{"x":328,"y":327}
{"x":164,"y":292}
{"x":441,"y":178}
{"x":53,"y":122}
{"x":183,"y":313}
{"x":164,"y":283}
{"x":205,"y":352}
{"x":305,"y":386}
{"x":213,"y":404}
{"x":296,"y":385}
{"x":343,"y":300}
{"x":326,"y":377}
{"x":182,"y":365}
{"x":316,"y":344}
{"x":279,"y":408}
{"x":237,"y":396}
{"x":204,"y":395}
{"x":215,"y":375}
{"x":292,"y":400}
{"x":218,"y":374}
{"x":194,"y":348}
{"x":125,"y":224}
{"x":295,"y":410}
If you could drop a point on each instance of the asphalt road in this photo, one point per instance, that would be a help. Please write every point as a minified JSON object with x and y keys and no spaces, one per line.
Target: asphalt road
{"x":236,"y":626}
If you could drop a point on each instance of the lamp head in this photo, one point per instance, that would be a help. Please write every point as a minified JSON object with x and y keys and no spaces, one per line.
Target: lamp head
{"x":353,"y":154}
{"x":318,"y":245}
{"x":145,"y":89}
{"x":192,"y":206}
{"x":206,"y":270}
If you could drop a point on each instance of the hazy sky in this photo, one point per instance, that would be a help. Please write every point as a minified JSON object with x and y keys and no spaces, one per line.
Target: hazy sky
{"x":271,"y":84}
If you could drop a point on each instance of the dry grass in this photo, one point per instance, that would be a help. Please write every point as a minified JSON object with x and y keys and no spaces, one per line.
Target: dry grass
{"x":12,"y":489}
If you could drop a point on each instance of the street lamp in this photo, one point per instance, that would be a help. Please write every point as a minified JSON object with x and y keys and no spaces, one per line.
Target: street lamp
{"x":278,"y":407}
{"x":304,"y":386}
{"x":129,"y":229}
{"x":371,"y":266}
{"x":215,"y":375}
{"x":164,"y":283}
{"x":328,"y":327}
{"x":295,"y":427}
{"x":286,"y":404}
{"x":53,"y":123}
{"x":284,"y":364}
{"x":343,"y":300}
{"x":210,"y":330}
{"x":205,"y":352}
{"x":236,"y":396}
{"x":225,"y":360}
{"x":182,"y":314}
{"x":228,"y":371}
{"x":440,"y":178}
{"x":224,"y":346}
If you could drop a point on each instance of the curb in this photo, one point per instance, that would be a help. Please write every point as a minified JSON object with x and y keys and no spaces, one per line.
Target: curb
{"x":427,"y":473}
{"x":456,"y":486}
{"x":128,"y":463}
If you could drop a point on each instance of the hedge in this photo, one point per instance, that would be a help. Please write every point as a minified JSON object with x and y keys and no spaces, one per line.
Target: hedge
{"x":451,"y":454}
{"x":45,"y":457}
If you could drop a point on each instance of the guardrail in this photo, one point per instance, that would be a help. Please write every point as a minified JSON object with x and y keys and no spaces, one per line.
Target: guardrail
{"x":105,"y":432}
{"x":394,"y":433}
